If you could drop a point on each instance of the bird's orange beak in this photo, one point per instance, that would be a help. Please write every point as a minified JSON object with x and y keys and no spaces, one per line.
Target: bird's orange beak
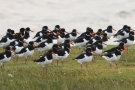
{"x":31,"y":30}
{"x":113,"y":29}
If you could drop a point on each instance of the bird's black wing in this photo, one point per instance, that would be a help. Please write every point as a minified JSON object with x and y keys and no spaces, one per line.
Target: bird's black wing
{"x":67,"y":35}
{"x":81,"y":56}
{"x":2,"y":55}
{"x":108,"y":55}
{"x":79,"y":40}
{"x":41,"y":59}
{"x":22,"y":51}
{"x":42,"y":44}
{"x":3,"y":39}
{"x":61,"y":52}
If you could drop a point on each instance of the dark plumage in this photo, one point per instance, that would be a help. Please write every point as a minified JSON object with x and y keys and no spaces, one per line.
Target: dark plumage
{"x":85,"y":57}
{"x":129,"y":40}
{"x":45,"y":60}
{"x":5,"y":56}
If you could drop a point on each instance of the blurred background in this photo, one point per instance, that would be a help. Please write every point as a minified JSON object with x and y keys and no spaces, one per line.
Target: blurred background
{"x":69,"y":14}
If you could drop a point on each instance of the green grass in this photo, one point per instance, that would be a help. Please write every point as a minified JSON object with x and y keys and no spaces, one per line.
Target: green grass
{"x":69,"y":77}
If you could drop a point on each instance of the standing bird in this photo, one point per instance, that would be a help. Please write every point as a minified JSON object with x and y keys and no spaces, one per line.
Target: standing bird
{"x":81,"y":41}
{"x":5,"y":56}
{"x":105,"y":39}
{"x":109,"y":31}
{"x":121,"y":45}
{"x":15,"y":42}
{"x":61,"y":35}
{"x":113,"y":56}
{"x":42,"y":32}
{"x":57,"y":28}
{"x":5,"y":41}
{"x":129,"y":40}
{"x":85,"y":57}
{"x":62,"y":53}
{"x":27,"y":51}
{"x":97,"y":47}
{"x":21,"y":33}
{"x":72,"y":36}
{"x":26,"y":37}
{"x":45,"y":60}
{"x":88,"y":29}
{"x":46,"y":45}
{"x":123,"y":33}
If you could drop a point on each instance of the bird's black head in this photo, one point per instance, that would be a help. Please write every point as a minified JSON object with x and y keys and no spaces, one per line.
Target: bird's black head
{"x":67,"y":41}
{"x":100,"y":30}
{"x":57,"y":26}
{"x":74,"y":30}
{"x":104,"y":34}
{"x":8,"y":30}
{"x":27,"y":29}
{"x":12,"y":31}
{"x":121,"y":44}
{"x":109,"y":27}
{"x":131,"y":33}
{"x":22,"y":29}
{"x":31,"y":43}
{"x":89,"y":29}
{"x":125,"y":26}
{"x":129,"y":28}
{"x":7,"y":48}
{"x":45,"y":28}
{"x":63,"y":29}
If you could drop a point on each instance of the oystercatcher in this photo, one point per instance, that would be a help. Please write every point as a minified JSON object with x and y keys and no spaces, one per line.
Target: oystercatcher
{"x":45,"y":60}
{"x":85,"y":57}
{"x":5,"y":56}
{"x":114,"y":56}
{"x":109,"y":31}
{"x":27,"y":51}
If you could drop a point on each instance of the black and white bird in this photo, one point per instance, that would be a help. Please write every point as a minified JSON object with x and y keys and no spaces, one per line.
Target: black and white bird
{"x":15,"y":42}
{"x":27,"y":51}
{"x":5,"y":56}
{"x":105,"y":40}
{"x":113,"y":56}
{"x":81,"y":41}
{"x":88,"y":29}
{"x":45,"y":59}
{"x":5,"y":41}
{"x":99,"y":31}
{"x":46,"y":45}
{"x":95,"y":38}
{"x":61,"y":35}
{"x":85,"y":57}
{"x":109,"y":31}
{"x":121,"y":45}
{"x":123,"y":33}
{"x":41,"y":39}
{"x":20,"y":34}
{"x":18,"y":47}
{"x":72,"y":36}
{"x":97,"y":47}
{"x":129,"y":40}
{"x":62,"y":53}
{"x":27,"y":37}
{"x":57,"y":28}
{"x":42,"y":32}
